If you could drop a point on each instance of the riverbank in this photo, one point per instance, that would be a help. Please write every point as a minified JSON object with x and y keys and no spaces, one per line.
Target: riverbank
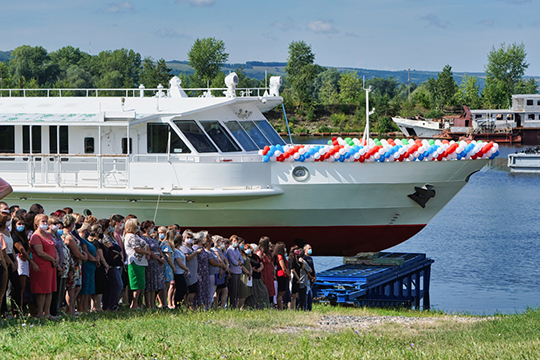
{"x":325,"y":333}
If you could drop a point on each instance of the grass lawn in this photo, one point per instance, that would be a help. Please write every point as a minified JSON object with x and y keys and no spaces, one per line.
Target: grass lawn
{"x":325,"y":333}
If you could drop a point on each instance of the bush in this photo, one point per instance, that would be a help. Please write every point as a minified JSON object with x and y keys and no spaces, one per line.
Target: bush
{"x":310,"y":115}
{"x":434,"y":114}
{"x":338,"y":119}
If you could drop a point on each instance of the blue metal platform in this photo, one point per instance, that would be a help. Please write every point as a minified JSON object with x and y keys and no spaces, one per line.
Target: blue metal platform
{"x":385,"y":280}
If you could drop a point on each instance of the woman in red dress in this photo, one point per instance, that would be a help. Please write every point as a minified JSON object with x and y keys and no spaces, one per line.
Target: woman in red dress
{"x":43,"y":282}
{"x":268,"y":273}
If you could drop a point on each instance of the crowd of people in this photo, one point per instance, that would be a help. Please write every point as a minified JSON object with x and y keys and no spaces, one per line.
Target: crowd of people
{"x":67,"y":262}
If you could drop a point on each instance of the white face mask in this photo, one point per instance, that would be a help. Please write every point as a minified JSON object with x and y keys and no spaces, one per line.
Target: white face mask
{"x":234,"y":245}
{"x":189,"y":241}
{"x":121,"y":226}
{"x":151,"y":231}
{"x":44,"y":227}
{"x":248,"y":252}
{"x":54,"y":228}
{"x":8,"y":223}
{"x":222,"y":247}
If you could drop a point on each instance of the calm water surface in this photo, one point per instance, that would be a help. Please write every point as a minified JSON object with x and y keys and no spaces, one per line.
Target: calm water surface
{"x":485,"y":243}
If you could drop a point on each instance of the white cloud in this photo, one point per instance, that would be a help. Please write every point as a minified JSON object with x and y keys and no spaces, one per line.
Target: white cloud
{"x":286,"y":25}
{"x":434,"y":20}
{"x":120,"y":7}
{"x":170,"y":33}
{"x":321,"y":26}
{"x":199,"y":3}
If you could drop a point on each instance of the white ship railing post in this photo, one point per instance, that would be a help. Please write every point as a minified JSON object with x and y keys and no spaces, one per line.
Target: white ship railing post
{"x":128,"y":143}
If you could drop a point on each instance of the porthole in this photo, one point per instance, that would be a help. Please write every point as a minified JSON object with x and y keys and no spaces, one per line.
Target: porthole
{"x":300,"y":173}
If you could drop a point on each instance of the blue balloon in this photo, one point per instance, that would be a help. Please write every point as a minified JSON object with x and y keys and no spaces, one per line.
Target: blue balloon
{"x":342,"y":158}
{"x":266,"y":158}
{"x":347,"y":155}
{"x":459,"y":157}
{"x":421,"y":157}
{"x":496,"y":153}
{"x":306,"y":155}
{"x":302,"y":158}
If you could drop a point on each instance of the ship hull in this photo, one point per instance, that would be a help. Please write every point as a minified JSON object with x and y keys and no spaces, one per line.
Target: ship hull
{"x":341,"y":209}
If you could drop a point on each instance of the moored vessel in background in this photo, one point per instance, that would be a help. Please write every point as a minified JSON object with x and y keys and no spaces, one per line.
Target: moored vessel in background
{"x":200,"y":161}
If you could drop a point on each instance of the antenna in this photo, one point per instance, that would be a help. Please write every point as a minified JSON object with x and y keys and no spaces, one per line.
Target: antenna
{"x":90,"y":48}
{"x":366,"y":135}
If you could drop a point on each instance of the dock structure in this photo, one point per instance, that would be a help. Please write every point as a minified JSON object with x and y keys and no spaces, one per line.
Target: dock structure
{"x":382,"y":279}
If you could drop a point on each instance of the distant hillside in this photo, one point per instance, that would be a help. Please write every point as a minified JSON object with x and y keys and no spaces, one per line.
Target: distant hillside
{"x":256,"y":69}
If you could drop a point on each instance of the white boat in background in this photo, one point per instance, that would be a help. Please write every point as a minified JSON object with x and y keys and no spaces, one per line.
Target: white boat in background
{"x":525,"y":162}
{"x":199,"y":161}
{"x":422,"y":128}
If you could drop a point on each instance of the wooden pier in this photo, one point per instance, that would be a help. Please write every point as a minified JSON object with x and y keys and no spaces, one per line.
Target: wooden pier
{"x":377,"y":280}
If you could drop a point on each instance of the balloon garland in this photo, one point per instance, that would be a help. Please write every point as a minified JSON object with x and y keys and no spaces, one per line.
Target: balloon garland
{"x":375,"y":150}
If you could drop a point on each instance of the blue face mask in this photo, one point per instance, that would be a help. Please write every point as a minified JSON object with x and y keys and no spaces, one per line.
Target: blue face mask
{"x":60,"y":232}
{"x":162,"y":236}
{"x":20,"y":228}
{"x":242,"y":247}
{"x":309,"y":252}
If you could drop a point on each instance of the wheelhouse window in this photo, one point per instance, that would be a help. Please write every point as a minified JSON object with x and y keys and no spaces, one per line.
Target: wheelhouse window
{"x":36,"y":139}
{"x":269,"y":132}
{"x":240,"y":134}
{"x":7,"y":139}
{"x":89,"y":147}
{"x":477,"y":116}
{"x":530,"y":102}
{"x":220,"y":136}
{"x":255,"y":133}
{"x":196,"y":136}
{"x":158,"y":137}
{"x":531,"y":116}
{"x":54,"y":131}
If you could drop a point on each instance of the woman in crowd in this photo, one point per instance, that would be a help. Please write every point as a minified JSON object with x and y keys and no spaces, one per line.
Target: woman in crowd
{"x":246,"y":280}
{"x":95,"y":236}
{"x":56,"y":301}
{"x":88,"y":287}
{"x":74,"y":280}
{"x":113,"y":256}
{"x":214,"y":268}
{"x":155,"y":273}
{"x":235,"y":265}
{"x":4,"y":269}
{"x":192,"y":265}
{"x":259,"y":296}
{"x":13,"y":275}
{"x":136,"y":253}
{"x":43,"y":281}
{"x":203,"y":285}
{"x":282,"y":274}
{"x":22,"y":249}
{"x":180,"y":269}
{"x":268,"y":274}
{"x":294,"y":267}
{"x":166,"y":296}
{"x":221,"y":278}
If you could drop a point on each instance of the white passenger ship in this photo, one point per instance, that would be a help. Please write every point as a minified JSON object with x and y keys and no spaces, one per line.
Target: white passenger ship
{"x":196,"y":161}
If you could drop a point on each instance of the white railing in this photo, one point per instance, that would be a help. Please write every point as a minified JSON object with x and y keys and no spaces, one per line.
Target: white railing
{"x":68,"y":92}
{"x":55,"y":170}
{"x":175,"y":158}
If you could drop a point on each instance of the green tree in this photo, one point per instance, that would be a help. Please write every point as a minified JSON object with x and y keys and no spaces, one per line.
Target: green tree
{"x":469,"y":92}
{"x":301,"y":71}
{"x":206,"y":57}
{"x":152,"y":74}
{"x":504,"y":71}
{"x":443,"y":89}
{"x":350,"y":88}
{"x":528,"y":86}
{"x":384,"y":86}
{"x":326,"y":86}
{"x":117,"y":69}
{"x":29,"y":63}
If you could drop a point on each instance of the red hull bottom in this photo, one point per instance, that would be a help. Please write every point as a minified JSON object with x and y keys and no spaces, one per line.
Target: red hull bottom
{"x":327,"y":240}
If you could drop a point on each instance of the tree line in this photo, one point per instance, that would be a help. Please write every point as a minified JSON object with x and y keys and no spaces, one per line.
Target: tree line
{"x":316,"y":98}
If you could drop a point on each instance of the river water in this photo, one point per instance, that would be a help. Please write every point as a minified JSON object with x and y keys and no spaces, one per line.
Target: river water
{"x":485,"y":244}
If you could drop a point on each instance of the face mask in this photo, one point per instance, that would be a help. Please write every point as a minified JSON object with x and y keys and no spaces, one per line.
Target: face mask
{"x":60,"y":232}
{"x":222,"y":247}
{"x":248,"y":252}
{"x":162,"y":236}
{"x":189,"y":241}
{"x":121,"y":226}
{"x":242,"y":247}
{"x":309,"y":252}
{"x":8,"y":223}
{"x":54,"y":228}
{"x":151,"y":231}
{"x":139,"y":228}
{"x":234,"y":245}
{"x":44,"y":227}
{"x":20,"y":228}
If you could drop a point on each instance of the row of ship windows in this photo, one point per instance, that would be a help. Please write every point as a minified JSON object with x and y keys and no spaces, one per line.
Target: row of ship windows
{"x":251,"y":135}
{"x":508,"y":116}
{"x":530,"y":102}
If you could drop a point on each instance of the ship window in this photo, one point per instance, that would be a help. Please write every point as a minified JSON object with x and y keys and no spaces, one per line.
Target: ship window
{"x":53,"y":140}
{"x":269,"y":132}
{"x":89,"y":145}
{"x":538,"y":102}
{"x":7,"y":139}
{"x":196,"y":136}
{"x":530,"y":102}
{"x":531,"y":116}
{"x":36,"y":139}
{"x":255,"y":133}
{"x":220,"y":136}
{"x":124,"y":145}
{"x":158,"y":137}
{"x":240,"y":134}
{"x":477,"y":116}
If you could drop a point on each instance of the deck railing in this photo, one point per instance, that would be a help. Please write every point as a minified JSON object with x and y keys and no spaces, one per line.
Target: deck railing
{"x":138,"y":92}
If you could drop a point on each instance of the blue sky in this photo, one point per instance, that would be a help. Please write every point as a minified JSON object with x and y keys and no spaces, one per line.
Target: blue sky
{"x":378,"y":34}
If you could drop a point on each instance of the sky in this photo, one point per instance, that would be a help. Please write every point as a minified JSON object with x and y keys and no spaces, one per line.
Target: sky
{"x":377,"y":34}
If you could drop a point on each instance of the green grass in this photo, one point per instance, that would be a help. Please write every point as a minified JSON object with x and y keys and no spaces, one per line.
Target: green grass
{"x":271,"y":335}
